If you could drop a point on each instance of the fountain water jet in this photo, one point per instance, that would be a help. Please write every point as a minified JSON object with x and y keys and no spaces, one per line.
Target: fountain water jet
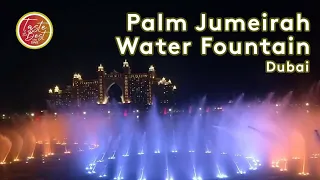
{"x":6,"y":147}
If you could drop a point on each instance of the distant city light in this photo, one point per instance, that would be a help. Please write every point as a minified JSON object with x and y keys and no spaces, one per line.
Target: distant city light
{"x":84,"y":112}
{"x":32,"y":114}
{"x":307,"y":104}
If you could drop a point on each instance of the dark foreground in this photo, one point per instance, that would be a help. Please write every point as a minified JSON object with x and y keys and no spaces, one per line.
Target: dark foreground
{"x":69,"y":166}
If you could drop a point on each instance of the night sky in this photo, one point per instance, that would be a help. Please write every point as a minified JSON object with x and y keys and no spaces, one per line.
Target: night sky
{"x":84,"y":37}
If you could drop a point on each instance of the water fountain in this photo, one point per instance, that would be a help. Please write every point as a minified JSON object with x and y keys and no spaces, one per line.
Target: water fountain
{"x":233,"y":141}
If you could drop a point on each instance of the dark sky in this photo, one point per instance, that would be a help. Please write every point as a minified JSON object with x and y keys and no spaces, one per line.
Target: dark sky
{"x":84,"y":37}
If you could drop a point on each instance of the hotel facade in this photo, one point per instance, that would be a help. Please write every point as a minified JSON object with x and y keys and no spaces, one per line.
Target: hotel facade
{"x":136,"y":88}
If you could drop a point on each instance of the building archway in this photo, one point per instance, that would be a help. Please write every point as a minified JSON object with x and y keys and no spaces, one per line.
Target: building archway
{"x":114,"y":91}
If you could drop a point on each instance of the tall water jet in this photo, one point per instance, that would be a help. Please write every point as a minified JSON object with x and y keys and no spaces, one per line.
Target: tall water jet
{"x":286,"y":99}
{"x":155,"y":130}
{"x":142,"y":147}
{"x":239,"y":100}
{"x":195,"y":139}
{"x":269,"y":98}
{"x":4,"y":148}
{"x":18,"y":142}
{"x":33,"y":146}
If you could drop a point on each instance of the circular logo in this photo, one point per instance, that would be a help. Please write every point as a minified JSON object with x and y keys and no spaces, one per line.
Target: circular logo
{"x":34,"y":30}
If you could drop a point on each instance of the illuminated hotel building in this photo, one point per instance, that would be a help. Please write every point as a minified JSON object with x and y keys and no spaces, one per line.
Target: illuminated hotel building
{"x":136,"y":88}
{"x":166,"y":91}
{"x":59,"y":98}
